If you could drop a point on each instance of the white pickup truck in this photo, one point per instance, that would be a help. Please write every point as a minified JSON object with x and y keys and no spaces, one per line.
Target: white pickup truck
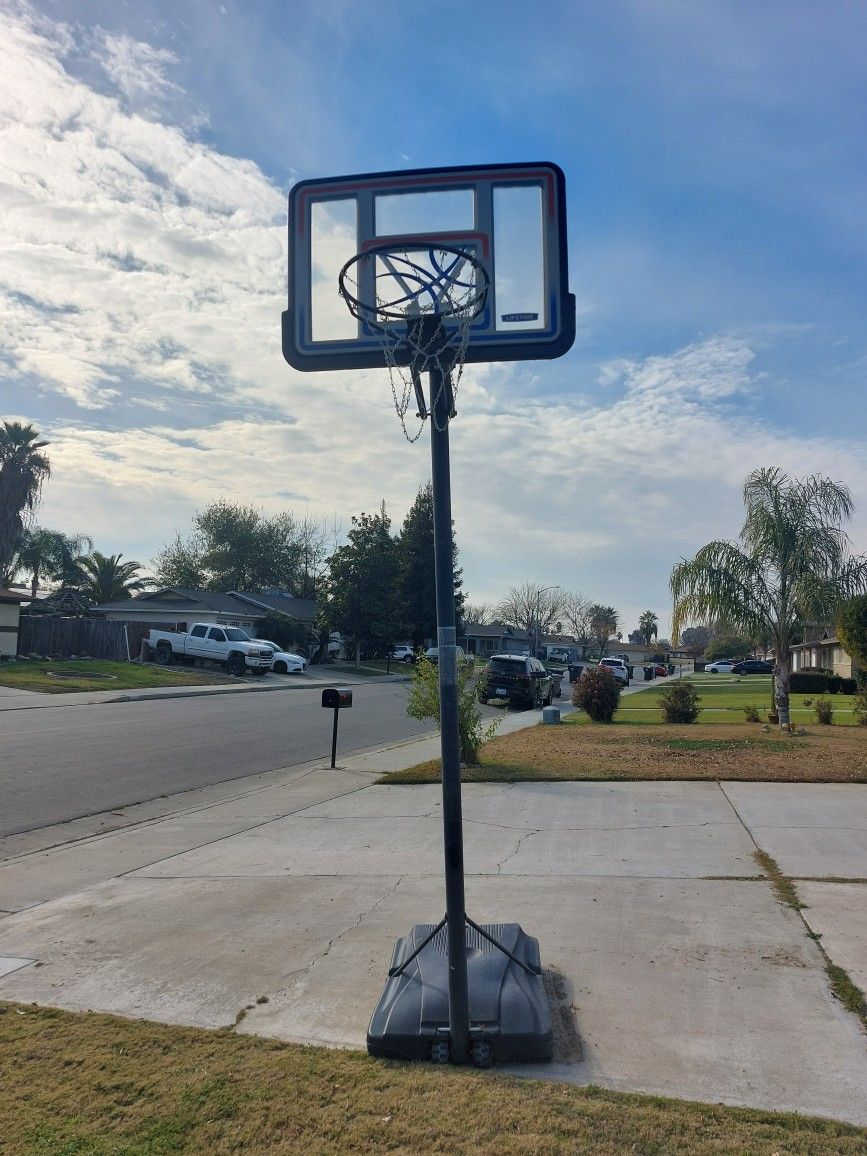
{"x":228,"y":645}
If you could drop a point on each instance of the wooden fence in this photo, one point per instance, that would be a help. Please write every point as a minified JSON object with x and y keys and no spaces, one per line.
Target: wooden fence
{"x":90,"y":637}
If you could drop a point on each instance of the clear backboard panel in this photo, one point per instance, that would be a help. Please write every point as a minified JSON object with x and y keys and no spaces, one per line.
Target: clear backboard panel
{"x":510,"y":218}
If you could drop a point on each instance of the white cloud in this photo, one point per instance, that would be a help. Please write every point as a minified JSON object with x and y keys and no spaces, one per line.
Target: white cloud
{"x":142,"y":277}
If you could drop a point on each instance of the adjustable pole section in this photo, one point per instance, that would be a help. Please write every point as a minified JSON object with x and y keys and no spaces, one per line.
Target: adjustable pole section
{"x":459,"y":1014}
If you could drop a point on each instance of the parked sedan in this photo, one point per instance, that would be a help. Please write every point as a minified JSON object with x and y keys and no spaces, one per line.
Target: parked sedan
{"x":724,"y":666}
{"x":283,"y":661}
{"x":753,"y":666}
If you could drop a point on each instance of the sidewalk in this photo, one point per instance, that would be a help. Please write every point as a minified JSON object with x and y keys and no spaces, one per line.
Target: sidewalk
{"x":664,"y":946}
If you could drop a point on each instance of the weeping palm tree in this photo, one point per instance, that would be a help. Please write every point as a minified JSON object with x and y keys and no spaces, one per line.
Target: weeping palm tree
{"x":23,"y":469}
{"x":107,"y":579}
{"x":51,"y":555}
{"x":792,"y":566}
{"x":648,"y":626}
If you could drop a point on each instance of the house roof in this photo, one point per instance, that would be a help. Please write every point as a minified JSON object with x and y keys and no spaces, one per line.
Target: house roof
{"x":302,"y":609}
{"x":494,"y":630}
{"x":13,"y":595}
{"x":189,"y":601}
{"x":180,"y":599}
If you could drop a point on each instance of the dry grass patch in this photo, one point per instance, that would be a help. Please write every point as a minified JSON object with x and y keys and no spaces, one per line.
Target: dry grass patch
{"x":635,"y":752}
{"x":95,"y":1084}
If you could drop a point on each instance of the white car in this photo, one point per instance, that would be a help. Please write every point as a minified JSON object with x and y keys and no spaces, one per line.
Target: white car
{"x":617,"y":667}
{"x":724,"y":666}
{"x":283,"y":661}
{"x":403,"y":654}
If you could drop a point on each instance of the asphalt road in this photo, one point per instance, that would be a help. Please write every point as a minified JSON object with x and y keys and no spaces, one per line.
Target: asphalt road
{"x":59,"y":763}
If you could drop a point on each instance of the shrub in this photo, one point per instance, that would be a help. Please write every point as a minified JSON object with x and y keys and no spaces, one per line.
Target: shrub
{"x":824,"y":711}
{"x":751,"y":713}
{"x":811,"y":681}
{"x":423,"y":702}
{"x":860,"y":708}
{"x":680,"y":702}
{"x":597,"y":692}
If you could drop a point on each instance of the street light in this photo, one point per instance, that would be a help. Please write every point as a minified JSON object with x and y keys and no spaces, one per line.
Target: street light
{"x":539,"y":593}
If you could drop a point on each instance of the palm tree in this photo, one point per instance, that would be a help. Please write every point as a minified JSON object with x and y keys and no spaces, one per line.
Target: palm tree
{"x":603,"y":624}
{"x":792,"y":565}
{"x":52,"y":555}
{"x":23,"y":469}
{"x":648,"y":626}
{"x":107,"y":579}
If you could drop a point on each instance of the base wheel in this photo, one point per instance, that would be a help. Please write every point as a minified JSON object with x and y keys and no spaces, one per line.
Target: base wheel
{"x":439,"y":1052}
{"x":481,"y":1054}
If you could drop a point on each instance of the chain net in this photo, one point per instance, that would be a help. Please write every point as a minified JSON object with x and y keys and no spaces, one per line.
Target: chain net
{"x":419,"y":302}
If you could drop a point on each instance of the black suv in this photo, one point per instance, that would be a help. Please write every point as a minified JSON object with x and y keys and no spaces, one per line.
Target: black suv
{"x":753,"y":666}
{"x":523,"y":681}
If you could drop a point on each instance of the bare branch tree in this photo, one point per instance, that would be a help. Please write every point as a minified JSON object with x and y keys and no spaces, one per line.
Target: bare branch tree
{"x":533,"y":608}
{"x":576,"y":613}
{"x":479,"y":613}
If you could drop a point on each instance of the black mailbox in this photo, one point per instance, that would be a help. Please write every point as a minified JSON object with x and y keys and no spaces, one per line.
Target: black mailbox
{"x":337,"y":696}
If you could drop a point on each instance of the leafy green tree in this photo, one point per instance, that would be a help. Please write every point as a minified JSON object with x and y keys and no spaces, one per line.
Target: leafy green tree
{"x":851,"y":624}
{"x":694,"y":639}
{"x":235,"y":547}
{"x":179,"y":563}
{"x":23,"y":470}
{"x":362,"y":590}
{"x":603,"y":624}
{"x":648,"y":624}
{"x":416,"y":572}
{"x":635,"y":637}
{"x":106,"y":579}
{"x":727,"y":646}
{"x":791,"y":565}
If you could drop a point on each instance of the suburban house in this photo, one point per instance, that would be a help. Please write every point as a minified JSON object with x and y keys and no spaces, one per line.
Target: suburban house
{"x":180,"y":606}
{"x":496,"y":638}
{"x":10,"y":607}
{"x":821,"y":647}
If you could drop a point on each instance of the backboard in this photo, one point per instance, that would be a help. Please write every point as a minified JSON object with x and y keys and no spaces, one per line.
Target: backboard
{"x":510,"y":219}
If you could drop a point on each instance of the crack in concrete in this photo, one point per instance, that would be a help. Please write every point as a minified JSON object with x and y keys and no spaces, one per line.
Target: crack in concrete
{"x":294,"y":976}
{"x":584,"y":830}
{"x":511,"y":855}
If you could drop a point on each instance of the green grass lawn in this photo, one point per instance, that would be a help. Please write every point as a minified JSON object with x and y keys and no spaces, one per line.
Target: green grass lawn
{"x":94,"y":1085}
{"x":49,"y":677}
{"x":723,"y":699}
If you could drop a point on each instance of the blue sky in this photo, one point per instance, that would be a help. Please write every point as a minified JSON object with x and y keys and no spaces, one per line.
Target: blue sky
{"x":715,"y":163}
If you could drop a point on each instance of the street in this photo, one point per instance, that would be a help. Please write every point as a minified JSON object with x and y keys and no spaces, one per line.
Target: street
{"x":59,"y":763}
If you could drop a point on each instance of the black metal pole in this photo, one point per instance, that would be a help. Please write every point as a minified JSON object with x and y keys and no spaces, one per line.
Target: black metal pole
{"x":459,"y":1015}
{"x":334,"y":738}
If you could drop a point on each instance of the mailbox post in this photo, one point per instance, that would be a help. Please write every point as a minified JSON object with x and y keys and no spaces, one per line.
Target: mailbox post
{"x":336,"y":697}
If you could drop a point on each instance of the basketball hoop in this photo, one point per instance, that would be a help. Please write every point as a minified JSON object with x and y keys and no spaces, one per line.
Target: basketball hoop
{"x":418,"y":300}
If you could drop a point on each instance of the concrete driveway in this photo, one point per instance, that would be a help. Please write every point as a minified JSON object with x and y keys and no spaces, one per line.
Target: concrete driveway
{"x":671,"y":966}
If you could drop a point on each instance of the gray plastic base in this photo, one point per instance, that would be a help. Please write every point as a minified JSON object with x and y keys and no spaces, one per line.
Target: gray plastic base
{"x":508,"y":1007}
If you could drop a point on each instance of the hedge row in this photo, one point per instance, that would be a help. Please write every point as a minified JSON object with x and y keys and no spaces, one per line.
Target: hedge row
{"x":811,"y":683}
